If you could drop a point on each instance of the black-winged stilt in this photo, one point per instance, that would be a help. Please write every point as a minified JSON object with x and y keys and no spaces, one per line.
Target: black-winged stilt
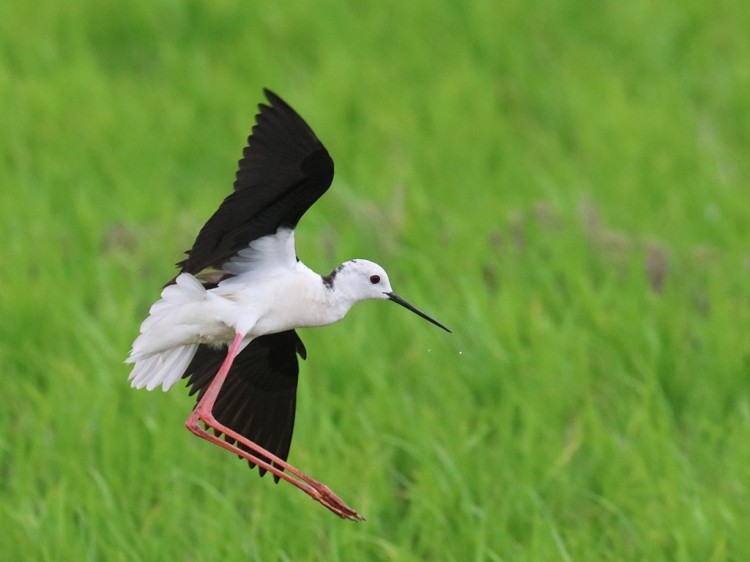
{"x":242,"y":287}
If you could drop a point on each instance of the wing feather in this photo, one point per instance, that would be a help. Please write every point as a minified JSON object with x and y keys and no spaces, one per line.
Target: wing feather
{"x":258,"y":398}
{"x":283,"y":171}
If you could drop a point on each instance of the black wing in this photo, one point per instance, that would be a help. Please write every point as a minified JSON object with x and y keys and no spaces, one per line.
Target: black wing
{"x":284,"y":169}
{"x":259,"y":395}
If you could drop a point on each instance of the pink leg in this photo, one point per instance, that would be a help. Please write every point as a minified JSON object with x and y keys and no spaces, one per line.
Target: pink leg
{"x":203,"y":412}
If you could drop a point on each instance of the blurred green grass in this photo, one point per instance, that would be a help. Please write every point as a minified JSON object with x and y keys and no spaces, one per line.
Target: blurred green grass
{"x":563,"y":184}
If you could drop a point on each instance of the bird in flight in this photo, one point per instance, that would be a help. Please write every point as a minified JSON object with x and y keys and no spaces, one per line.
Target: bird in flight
{"x":227,"y":322}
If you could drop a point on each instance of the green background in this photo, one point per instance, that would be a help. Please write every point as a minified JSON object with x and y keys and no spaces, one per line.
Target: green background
{"x":564,"y":184}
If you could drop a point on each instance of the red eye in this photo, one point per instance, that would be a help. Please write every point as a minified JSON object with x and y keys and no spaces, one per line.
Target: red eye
{"x":374,"y":279}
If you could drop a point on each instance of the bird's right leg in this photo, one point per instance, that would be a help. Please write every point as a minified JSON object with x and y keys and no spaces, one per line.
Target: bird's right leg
{"x":203,"y":413}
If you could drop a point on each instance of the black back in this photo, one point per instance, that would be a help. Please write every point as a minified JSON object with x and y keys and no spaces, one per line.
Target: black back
{"x":284,"y":169}
{"x":259,"y":395}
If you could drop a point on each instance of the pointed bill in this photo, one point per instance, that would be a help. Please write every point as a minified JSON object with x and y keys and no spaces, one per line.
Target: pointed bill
{"x":395,"y":298}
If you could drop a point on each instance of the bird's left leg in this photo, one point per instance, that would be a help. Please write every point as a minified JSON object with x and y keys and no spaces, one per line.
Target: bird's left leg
{"x":203,"y":413}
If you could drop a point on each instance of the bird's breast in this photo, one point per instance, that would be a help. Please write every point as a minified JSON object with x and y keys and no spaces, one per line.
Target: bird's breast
{"x":280,"y":303}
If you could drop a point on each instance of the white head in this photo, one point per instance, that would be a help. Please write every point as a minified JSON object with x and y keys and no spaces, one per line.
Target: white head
{"x":358,"y":280}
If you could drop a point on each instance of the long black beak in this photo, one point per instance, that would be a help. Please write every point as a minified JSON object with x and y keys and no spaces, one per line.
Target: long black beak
{"x":395,"y":298}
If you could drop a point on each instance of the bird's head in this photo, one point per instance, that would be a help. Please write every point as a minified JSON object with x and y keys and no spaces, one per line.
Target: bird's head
{"x":359,"y":280}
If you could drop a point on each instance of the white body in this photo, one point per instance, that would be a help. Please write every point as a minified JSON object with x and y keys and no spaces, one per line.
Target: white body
{"x":270,"y":291}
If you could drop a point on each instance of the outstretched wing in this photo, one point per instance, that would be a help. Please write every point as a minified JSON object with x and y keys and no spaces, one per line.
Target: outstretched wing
{"x":258,"y":398}
{"x":284,"y":169}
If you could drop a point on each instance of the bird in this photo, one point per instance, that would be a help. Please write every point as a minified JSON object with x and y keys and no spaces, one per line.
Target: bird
{"x":227,"y":322}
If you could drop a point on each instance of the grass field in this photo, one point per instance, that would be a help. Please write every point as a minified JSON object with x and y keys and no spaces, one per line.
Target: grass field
{"x":564,"y":184}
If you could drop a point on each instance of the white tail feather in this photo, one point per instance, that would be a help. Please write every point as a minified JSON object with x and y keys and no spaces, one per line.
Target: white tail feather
{"x":168,"y":340}
{"x":163,"y":368}
{"x":171,"y":320}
